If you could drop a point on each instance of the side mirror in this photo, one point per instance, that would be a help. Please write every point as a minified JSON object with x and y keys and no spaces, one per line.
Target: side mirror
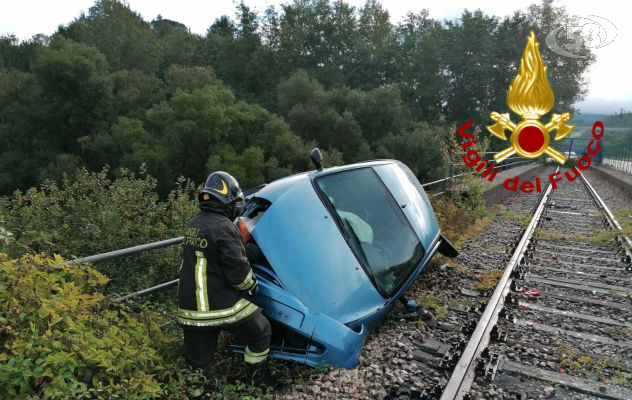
{"x":317,"y":158}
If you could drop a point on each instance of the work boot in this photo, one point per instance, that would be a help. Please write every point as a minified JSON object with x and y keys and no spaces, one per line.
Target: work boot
{"x":261,"y":374}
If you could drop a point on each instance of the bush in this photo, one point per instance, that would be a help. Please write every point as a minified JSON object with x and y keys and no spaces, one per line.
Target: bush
{"x":92,"y":214}
{"x":462,"y":213}
{"x":58,"y":338}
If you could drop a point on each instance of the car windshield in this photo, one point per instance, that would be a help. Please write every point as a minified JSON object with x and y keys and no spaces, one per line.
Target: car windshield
{"x":374,"y":225}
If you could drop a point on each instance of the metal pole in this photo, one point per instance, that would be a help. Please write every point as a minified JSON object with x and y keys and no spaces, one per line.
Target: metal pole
{"x":447,"y":176}
{"x":147,"y":291}
{"x":451,"y":183}
{"x":125,"y":252}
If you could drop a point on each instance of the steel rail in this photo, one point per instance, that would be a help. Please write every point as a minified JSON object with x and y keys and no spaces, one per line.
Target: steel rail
{"x":612,"y":221}
{"x":464,"y":372}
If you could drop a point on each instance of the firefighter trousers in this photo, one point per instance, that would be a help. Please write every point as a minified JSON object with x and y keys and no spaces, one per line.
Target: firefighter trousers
{"x":254,"y":333}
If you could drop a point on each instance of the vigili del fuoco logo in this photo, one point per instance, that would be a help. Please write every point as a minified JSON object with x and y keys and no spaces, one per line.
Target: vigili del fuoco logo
{"x":530,"y":96}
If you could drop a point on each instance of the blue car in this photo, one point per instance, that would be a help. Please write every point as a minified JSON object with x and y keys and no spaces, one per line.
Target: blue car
{"x":335,"y":248}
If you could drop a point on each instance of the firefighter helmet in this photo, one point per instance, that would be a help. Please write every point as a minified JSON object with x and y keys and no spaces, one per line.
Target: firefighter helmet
{"x":223,"y":187}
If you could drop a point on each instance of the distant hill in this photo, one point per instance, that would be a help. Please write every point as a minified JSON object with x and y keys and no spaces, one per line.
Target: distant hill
{"x":622,"y":120}
{"x":587,"y":119}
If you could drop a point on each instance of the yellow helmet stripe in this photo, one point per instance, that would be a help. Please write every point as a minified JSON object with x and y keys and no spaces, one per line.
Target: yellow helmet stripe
{"x":224,"y":190}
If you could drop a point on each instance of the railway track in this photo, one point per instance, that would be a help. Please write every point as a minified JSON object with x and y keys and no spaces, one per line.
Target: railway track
{"x":559,"y":323}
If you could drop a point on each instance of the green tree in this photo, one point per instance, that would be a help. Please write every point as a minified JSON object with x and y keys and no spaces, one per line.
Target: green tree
{"x":19,"y":91}
{"x":469,"y":60}
{"x":188,"y":78}
{"x":177,"y":45}
{"x":421,"y":80}
{"x":126,"y":40}
{"x":565,"y":74}
{"x":348,"y":120}
{"x":374,"y":48}
{"x":76,"y":93}
{"x":134,"y":92}
{"x":419,"y":148}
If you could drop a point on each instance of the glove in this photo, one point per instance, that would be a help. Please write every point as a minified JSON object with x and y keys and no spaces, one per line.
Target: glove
{"x":253,"y":289}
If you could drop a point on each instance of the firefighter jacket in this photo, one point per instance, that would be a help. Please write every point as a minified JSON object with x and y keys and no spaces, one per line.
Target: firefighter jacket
{"x":214,"y":273}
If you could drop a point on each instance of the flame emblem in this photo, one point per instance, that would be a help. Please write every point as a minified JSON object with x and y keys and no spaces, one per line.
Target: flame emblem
{"x":530,"y":96}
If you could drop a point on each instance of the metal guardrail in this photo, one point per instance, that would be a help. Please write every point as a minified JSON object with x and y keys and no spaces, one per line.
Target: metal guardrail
{"x":622,"y":165}
{"x":617,"y":152}
{"x":126,"y":252}
{"x":448,"y":179}
{"x":175,"y":241}
{"x":149,"y":290}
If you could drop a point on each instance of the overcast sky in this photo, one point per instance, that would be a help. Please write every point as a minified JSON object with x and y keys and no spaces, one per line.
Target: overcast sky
{"x":610,"y":79}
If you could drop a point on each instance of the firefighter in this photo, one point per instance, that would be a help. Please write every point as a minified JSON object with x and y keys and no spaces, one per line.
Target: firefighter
{"x":216,"y":281}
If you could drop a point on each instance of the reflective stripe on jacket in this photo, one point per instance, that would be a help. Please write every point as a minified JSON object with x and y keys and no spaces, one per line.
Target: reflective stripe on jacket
{"x":214,"y":272}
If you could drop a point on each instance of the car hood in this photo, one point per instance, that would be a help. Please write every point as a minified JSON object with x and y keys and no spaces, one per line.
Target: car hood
{"x":309,"y":254}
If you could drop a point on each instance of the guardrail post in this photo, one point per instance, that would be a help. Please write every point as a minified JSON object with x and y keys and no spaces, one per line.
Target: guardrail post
{"x":451,"y":184}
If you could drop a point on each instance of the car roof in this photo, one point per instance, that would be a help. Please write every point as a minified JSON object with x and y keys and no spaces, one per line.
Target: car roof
{"x":274,"y":189}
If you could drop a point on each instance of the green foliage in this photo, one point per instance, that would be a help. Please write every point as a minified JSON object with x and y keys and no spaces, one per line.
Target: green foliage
{"x":126,"y":40}
{"x":360,"y":124}
{"x":620,"y":120}
{"x":618,"y":138}
{"x":419,"y":148}
{"x":462,"y":214}
{"x":93,"y":213}
{"x":111,"y":88}
{"x":59,"y":339}
{"x":210,"y":127}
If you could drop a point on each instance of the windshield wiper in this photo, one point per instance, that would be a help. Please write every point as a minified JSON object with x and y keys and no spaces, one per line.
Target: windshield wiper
{"x":351,"y":236}
{"x":338,"y":219}
{"x":358,"y":245}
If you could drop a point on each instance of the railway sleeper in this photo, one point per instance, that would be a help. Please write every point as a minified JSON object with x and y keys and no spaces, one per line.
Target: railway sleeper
{"x":574,"y":383}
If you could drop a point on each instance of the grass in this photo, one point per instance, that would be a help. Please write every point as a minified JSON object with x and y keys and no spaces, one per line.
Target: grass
{"x":601,"y":237}
{"x":606,"y":369}
{"x":545,"y":234}
{"x":520,"y":219}
{"x":463,"y":303}
{"x":624,"y":218}
{"x":493,"y":248}
{"x":463,"y":216}
{"x":598,"y":237}
{"x":438,"y":260}
{"x":488,"y":280}
{"x":432,"y":303}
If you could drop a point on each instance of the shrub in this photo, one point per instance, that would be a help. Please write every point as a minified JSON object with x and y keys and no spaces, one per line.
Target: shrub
{"x":462,"y":213}
{"x":93,"y":213}
{"x":59,"y":339}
